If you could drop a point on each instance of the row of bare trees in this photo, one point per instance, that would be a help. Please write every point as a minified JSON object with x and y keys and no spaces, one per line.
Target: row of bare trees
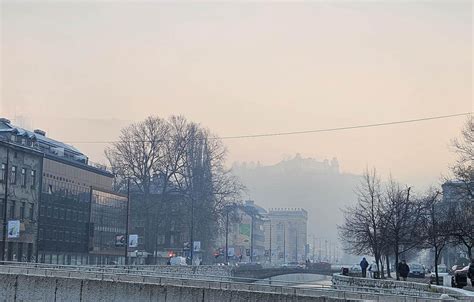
{"x":389,"y":220}
{"x":175,"y":156}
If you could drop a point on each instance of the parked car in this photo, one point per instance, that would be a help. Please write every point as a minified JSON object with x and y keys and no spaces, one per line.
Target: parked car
{"x":442,"y":271}
{"x":355,"y":270}
{"x":459,"y":277}
{"x":178,"y":261}
{"x":416,"y":270}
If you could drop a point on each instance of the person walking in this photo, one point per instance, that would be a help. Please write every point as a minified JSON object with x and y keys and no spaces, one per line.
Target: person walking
{"x":363,"y":266}
{"x":403,"y":270}
{"x":372,"y":270}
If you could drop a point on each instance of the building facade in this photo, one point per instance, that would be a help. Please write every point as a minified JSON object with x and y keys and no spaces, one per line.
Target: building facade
{"x":246,"y":233}
{"x":458,"y":194}
{"x":286,"y":235}
{"x":21,"y":166}
{"x":72,"y":227}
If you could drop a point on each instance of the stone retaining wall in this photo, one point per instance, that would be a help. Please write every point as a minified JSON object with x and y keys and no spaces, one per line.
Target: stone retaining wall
{"x":21,"y":288}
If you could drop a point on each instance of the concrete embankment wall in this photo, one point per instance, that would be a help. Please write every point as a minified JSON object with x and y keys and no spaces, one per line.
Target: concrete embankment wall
{"x":343,"y":282}
{"x":23,"y":288}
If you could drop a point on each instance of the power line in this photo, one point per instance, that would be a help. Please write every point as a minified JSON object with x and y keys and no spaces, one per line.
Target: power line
{"x":309,"y":131}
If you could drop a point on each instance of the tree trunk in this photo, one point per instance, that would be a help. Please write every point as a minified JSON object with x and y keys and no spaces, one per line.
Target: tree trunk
{"x":396,"y":263}
{"x":436,"y":265}
{"x":387,"y":258}
{"x":469,"y":252}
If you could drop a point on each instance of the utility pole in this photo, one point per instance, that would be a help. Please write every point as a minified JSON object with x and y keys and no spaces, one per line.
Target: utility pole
{"x":296,"y":244}
{"x":251,"y":237}
{"x":326,"y":250}
{"x":270,"y":241}
{"x":5,"y":207}
{"x":127,"y":221}
{"x":314,"y":246}
{"x":227,"y":237}
{"x":320,"y":248}
{"x":284,"y":243}
{"x":191,"y":237}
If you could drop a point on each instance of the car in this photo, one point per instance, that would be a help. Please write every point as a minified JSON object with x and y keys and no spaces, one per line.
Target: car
{"x":181,"y":261}
{"x":355,"y":270}
{"x":293,"y":265}
{"x":442,"y":272}
{"x":459,"y":277}
{"x":416,"y":270}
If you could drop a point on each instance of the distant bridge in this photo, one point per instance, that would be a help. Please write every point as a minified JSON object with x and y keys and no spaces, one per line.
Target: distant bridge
{"x":264,"y":273}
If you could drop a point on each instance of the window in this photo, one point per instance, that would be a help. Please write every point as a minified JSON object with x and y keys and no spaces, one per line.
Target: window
{"x":12,"y":209}
{"x":32,"y":211}
{"x":22,"y":211}
{"x":2,"y":172}
{"x":33,"y":178}
{"x":13,"y":175}
{"x":23,"y":177}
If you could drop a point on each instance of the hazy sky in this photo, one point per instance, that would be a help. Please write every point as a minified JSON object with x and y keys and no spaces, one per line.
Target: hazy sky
{"x":81,"y":70}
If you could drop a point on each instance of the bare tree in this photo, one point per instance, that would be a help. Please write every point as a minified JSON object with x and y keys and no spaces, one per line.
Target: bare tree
{"x":463,"y":169}
{"x":138,"y":151}
{"x":361,"y":230}
{"x":435,"y":226}
{"x":401,"y":218}
{"x":180,"y":157}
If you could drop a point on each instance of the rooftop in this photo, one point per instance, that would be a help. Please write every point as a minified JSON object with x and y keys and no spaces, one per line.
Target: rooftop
{"x":38,"y":140}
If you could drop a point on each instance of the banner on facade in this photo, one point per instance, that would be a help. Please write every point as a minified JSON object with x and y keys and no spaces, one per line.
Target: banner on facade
{"x":197,"y":246}
{"x":119,"y":240}
{"x":13,"y":229}
{"x":244,"y":230}
{"x":133,"y":240}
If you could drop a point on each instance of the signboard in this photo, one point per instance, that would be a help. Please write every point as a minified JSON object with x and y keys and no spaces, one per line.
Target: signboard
{"x":197,"y":246}
{"x":13,"y":229}
{"x":133,"y":240}
{"x":119,"y":240}
{"x":231,"y":252}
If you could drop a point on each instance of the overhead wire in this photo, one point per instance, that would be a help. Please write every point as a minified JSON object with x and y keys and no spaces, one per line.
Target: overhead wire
{"x":259,"y":135}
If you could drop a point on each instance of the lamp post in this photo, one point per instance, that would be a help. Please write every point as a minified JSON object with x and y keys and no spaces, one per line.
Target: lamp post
{"x":127,"y":221}
{"x":227,"y":237}
{"x":284,"y":243}
{"x":270,"y":242}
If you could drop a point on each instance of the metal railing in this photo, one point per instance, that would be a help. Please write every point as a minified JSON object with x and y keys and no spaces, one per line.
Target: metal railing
{"x":208,"y":281}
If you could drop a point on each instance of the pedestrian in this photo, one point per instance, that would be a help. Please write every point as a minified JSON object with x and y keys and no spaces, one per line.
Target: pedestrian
{"x":470,"y":272}
{"x":403,"y":270}
{"x":372,"y":270}
{"x":363,"y":265}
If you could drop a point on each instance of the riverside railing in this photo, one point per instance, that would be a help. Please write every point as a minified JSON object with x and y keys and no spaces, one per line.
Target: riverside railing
{"x":210,"y":281}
